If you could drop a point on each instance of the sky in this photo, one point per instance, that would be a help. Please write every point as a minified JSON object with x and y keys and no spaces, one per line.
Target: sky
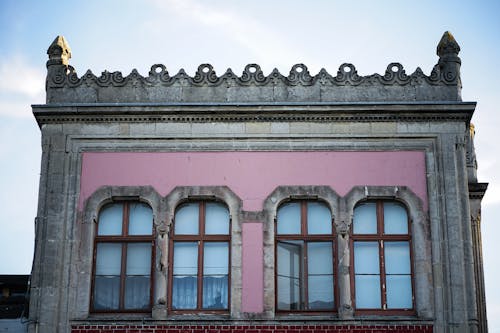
{"x":125,"y":34}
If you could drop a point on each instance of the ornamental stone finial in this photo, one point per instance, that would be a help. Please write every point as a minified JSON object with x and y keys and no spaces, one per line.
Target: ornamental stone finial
{"x":59,"y":52}
{"x":449,"y":62}
{"x":447,"y":45}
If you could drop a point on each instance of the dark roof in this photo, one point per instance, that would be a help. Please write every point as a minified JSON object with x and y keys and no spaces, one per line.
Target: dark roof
{"x":13,"y":296}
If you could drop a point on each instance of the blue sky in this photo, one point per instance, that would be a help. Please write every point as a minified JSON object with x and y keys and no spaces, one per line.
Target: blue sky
{"x":125,"y":34}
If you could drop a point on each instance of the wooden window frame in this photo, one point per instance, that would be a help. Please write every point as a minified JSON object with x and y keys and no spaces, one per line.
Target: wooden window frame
{"x":380,"y":238}
{"x":124,"y":239}
{"x":306,"y":238}
{"x":201,"y":238}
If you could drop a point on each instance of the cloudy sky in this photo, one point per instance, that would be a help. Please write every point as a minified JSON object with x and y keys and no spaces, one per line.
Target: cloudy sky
{"x":125,"y":34}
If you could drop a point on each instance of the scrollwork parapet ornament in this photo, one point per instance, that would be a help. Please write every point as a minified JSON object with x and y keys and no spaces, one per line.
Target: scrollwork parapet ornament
{"x":346,"y":85}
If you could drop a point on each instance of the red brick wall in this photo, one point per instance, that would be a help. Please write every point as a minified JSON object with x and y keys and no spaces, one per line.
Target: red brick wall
{"x":250,"y":329}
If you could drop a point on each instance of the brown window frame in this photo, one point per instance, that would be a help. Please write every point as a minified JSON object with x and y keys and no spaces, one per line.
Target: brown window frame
{"x":201,"y":238}
{"x":380,"y":238}
{"x":306,"y":238}
{"x":124,"y":239}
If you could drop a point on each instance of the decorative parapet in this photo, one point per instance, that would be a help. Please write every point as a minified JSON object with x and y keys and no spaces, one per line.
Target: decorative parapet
{"x":63,"y":85}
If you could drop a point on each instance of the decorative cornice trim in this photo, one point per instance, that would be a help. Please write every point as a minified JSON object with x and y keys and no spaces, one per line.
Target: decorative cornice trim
{"x":206,"y":76}
{"x":64,"y":85}
{"x":477,"y":190}
{"x":358,"y":112}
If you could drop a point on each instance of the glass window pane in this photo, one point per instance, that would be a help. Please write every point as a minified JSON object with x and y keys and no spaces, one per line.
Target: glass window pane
{"x":184,"y":292}
{"x":319,"y":218}
{"x":215,"y":258}
{"x":139,"y":259}
{"x":289,"y":219}
{"x":290,"y":275}
{"x":110,"y":220}
{"x":367,"y":291}
{"x":399,"y":294}
{"x":320,"y":292}
{"x":397,"y":257}
{"x":216,"y":219}
{"x":108,"y":260}
{"x":187,"y":219}
{"x":140,"y":220}
{"x":365,"y":218}
{"x":395,"y":218}
{"x":186,"y":258}
{"x":215,"y":292}
{"x":106,"y":292}
{"x":319,"y":258}
{"x":137,"y":292}
{"x":366,"y":258}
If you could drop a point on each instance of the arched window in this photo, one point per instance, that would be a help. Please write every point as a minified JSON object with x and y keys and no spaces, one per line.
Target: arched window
{"x":123,"y":256}
{"x":381,"y":246}
{"x":305,"y":257}
{"x":200,"y":256}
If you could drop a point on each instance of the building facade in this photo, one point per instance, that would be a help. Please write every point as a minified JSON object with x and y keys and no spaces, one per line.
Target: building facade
{"x":257,"y":204}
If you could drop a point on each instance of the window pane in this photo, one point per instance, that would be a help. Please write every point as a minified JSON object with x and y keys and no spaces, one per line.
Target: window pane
{"x":216,"y":219}
{"x":367,"y":291}
{"x":397,"y":257}
{"x":137,"y":292}
{"x":186,"y":219}
{"x":110,"y":220}
{"x":139,"y":259}
{"x":395,"y":218}
{"x":319,"y":219}
{"x":185,"y":258}
{"x":320,"y":292}
{"x":184,"y":292}
{"x":366,"y":258}
{"x":141,"y":219}
{"x":215,"y":258}
{"x":106,"y":292}
{"x":289,"y":218}
{"x":108,"y":260}
{"x":365,"y":218}
{"x":319,"y":258}
{"x":290,"y":275}
{"x":399,"y":294}
{"x":215,"y":295}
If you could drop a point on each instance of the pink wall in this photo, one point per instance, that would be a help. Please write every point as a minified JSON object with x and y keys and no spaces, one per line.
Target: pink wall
{"x":252,"y":269}
{"x":254,"y":175}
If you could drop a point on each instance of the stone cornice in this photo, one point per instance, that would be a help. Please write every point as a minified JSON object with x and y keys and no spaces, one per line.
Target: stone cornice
{"x":477,"y":190}
{"x":253,"y":112}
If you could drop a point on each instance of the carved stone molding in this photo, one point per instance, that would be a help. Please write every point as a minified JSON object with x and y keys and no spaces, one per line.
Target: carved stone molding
{"x":64,"y":85}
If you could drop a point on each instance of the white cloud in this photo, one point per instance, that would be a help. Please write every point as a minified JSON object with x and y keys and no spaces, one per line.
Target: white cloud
{"x":20,"y":78}
{"x":21,"y":85}
{"x":263,"y":42}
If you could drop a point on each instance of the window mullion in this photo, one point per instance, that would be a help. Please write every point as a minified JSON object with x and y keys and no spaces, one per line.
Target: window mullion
{"x":380,"y":231}
{"x":123,"y":268}
{"x":122,"y":276}
{"x":201,"y":228}
{"x":303,"y":274}
{"x":382,"y":274}
{"x":305,"y":282}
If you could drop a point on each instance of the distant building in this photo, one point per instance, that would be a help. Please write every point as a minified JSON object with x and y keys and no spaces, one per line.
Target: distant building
{"x":14,"y":303}
{"x":257,"y":204}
